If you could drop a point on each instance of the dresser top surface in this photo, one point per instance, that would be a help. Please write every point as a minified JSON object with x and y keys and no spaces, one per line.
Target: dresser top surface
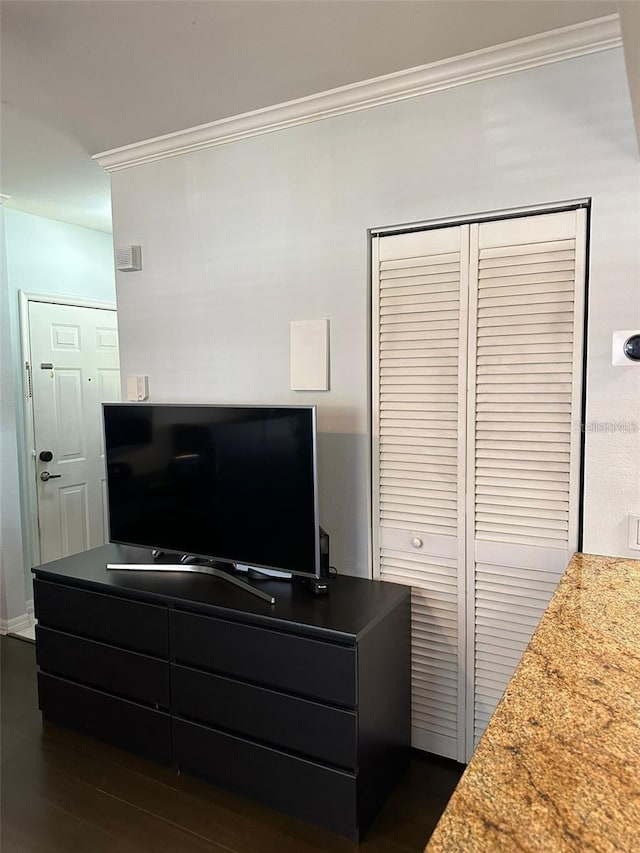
{"x":352,"y":606}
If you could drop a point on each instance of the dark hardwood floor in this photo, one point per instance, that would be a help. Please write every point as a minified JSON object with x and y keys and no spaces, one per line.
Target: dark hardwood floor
{"x":65,"y":793}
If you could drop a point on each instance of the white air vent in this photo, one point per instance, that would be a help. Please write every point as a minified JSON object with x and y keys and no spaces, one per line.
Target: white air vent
{"x":129,"y":258}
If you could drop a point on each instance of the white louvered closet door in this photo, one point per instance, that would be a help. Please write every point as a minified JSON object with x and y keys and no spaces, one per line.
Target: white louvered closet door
{"x":419,"y":464}
{"x":524,"y":441}
{"x":477,"y":338}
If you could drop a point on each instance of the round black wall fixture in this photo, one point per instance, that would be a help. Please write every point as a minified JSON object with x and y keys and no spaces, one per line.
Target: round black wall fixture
{"x":632,"y":347}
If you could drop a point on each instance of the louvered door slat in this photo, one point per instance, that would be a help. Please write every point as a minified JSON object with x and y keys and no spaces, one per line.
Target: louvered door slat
{"x":508,"y":307}
{"x":523,"y":402}
{"x":394,"y":496}
{"x":418,"y":420}
{"x":538,"y":492}
{"x":510,"y":404}
{"x":536,"y":263}
{"x":542,"y":249}
{"x":433,"y":286}
{"x":524,"y":323}
{"x":437,"y":311}
{"x":416,"y":490}
{"x":394,"y":256}
{"x":439,"y":331}
{"x":506,"y":368}
{"x":520,"y":514}
{"x":397,"y":460}
{"x":518,"y":275}
{"x":443,"y":292}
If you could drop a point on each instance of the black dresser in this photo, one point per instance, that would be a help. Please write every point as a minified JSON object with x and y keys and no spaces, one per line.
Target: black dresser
{"x":303,"y":705}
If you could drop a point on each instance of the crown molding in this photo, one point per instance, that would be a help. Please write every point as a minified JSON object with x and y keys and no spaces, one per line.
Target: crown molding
{"x":531,"y":52}
{"x":4,"y":198}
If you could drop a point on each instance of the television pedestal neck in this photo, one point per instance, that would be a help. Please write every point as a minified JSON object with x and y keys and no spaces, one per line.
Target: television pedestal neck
{"x":317,"y":585}
{"x":199,"y":568}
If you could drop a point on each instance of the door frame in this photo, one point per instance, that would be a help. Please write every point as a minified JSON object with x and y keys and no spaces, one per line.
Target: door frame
{"x":29,"y":494}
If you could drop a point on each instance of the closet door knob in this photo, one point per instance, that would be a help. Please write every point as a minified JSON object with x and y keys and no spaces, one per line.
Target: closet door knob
{"x":416,"y":542}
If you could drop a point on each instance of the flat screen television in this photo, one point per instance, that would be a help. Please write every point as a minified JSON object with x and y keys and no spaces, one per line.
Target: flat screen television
{"x":236,"y":484}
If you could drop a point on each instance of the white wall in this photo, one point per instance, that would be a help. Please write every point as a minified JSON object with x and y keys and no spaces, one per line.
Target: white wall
{"x":241,"y":239}
{"x":12,"y":587}
{"x":48,"y":257}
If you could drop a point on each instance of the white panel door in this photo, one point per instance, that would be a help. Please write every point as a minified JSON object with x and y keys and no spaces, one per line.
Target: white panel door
{"x":74,"y":368}
{"x":419,"y":464}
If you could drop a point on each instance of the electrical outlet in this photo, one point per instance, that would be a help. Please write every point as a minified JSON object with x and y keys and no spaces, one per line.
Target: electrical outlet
{"x":634,"y":531}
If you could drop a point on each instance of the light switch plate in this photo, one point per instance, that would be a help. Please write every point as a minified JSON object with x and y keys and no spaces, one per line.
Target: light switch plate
{"x":137,"y":388}
{"x":634,"y":531}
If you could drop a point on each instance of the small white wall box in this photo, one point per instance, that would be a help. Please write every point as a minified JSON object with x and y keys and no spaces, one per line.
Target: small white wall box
{"x":309,"y":355}
{"x":129,"y":258}
{"x":137,"y":388}
{"x":634,"y":531}
{"x":625,"y":348}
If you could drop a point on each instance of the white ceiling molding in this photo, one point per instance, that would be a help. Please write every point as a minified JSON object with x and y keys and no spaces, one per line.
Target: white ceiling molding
{"x":4,"y":198}
{"x":520,"y":55}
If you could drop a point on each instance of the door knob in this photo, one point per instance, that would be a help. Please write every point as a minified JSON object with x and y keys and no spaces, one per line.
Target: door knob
{"x":45,"y":456}
{"x":47,"y":476}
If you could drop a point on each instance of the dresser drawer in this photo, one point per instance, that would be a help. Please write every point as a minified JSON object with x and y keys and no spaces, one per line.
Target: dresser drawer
{"x":307,"y":667}
{"x":129,"y":674}
{"x":130,"y":624}
{"x":118,"y":721}
{"x":294,"y":785}
{"x":298,"y":725}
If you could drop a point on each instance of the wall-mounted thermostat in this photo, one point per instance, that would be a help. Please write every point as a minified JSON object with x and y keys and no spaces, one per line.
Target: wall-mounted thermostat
{"x":129,"y":258}
{"x":625,"y":348}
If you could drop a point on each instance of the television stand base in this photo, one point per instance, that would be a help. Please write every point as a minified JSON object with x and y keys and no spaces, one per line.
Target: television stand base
{"x":223,"y":574}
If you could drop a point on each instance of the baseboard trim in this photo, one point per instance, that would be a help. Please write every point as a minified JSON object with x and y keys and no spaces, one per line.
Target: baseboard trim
{"x":520,"y":55}
{"x":17,"y":623}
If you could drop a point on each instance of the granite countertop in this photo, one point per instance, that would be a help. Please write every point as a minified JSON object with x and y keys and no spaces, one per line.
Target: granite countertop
{"x":558,"y":768}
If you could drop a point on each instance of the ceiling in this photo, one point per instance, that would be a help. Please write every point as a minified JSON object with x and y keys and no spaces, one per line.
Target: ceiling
{"x":83,"y":76}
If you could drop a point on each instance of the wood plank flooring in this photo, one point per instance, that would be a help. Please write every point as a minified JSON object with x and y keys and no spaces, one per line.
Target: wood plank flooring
{"x":65,"y":793}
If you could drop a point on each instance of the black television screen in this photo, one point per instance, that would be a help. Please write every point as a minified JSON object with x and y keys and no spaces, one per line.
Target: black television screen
{"x":232,"y":483}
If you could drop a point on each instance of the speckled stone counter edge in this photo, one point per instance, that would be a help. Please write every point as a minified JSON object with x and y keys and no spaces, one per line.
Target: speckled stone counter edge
{"x":558,"y":767}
